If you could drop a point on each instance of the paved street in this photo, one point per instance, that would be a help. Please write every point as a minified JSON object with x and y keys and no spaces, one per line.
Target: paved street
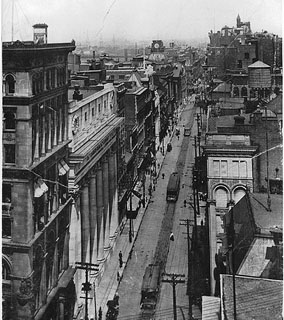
{"x":148,"y":236}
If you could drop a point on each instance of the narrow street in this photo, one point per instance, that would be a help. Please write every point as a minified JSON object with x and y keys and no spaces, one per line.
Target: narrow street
{"x":151,"y":242}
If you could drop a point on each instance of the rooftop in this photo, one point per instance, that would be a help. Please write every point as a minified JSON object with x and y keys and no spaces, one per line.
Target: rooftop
{"x":258,"y":64}
{"x":256,"y":298}
{"x":263,"y":218}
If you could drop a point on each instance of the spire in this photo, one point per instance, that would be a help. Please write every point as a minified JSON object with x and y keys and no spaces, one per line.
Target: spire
{"x":238,"y":21}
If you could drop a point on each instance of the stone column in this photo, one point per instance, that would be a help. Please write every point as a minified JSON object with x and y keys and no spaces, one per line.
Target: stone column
{"x":60,"y":125}
{"x":106,"y":202}
{"x":100,"y":218}
{"x":43,"y":137}
{"x":93,"y":218}
{"x":36,"y":153}
{"x":212,"y":242}
{"x":49,"y":132}
{"x":114,"y":199}
{"x":61,"y":302}
{"x":85,"y":224}
{"x":54,"y":142}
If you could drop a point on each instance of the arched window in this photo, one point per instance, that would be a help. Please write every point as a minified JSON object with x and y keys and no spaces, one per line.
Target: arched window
{"x":244,"y":92}
{"x":6,"y":268}
{"x":238,"y":194}
{"x":9,"y":84}
{"x":221,"y":197}
{"x":236,"y":92}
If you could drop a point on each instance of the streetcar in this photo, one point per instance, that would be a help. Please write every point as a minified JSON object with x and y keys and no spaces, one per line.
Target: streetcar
{"x":173,"y":187}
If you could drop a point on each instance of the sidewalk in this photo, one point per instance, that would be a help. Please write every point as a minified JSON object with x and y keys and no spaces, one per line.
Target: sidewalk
{"x":109,"y":283}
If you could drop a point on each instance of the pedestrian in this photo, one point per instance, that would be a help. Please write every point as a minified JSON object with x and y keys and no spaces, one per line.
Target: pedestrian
{"x":120,"y":259}
{"x":118,"y":276}
{"x":163,"y":176}
{"x":130,"y":254}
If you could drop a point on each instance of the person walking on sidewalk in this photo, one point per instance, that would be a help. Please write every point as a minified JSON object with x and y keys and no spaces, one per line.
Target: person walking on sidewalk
{"x":163,"y":176}
{"x":120,"y":259}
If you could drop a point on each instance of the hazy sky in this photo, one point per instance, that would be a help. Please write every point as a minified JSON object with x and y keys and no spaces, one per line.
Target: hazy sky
{"x":83,"y":20}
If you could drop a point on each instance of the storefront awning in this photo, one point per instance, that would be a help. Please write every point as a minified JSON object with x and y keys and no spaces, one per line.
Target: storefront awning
{"x":39,"y":188}
{"x":63,"y":167}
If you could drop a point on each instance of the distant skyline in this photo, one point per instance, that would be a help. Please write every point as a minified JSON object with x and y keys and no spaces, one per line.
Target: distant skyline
{"x":94,"y":20}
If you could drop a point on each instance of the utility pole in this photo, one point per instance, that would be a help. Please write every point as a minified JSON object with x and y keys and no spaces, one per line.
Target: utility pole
{"x":86,"y":286}
{"x":231,"y":243}
{"x":174,"y":279}
{"x":189,"y":266}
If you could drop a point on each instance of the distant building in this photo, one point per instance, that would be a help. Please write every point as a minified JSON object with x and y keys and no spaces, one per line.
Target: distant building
{"x":236,"y":48}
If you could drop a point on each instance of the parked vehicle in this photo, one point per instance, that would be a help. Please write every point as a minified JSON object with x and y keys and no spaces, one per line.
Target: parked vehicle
{"x":173,"y":187}
{"x":150,"y":289}
{"x":169,"y":147}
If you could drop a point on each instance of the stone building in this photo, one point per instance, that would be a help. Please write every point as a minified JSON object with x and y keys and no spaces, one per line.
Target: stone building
{"x":229,"y":173}
{"x":35,"y":201}
{"x":97,"y":136}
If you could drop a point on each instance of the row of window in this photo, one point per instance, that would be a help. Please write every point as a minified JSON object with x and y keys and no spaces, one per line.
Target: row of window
{"x":234,"y":168}
{"x":52,"y":77}
{"x":96,"y":110}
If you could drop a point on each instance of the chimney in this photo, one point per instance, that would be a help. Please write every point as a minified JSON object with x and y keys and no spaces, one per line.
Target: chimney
{"x":257,"y":115}
{"x":239,"y":120}
{"x":77,"y":95}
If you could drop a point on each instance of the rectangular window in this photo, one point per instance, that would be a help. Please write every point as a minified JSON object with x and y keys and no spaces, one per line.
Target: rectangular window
{"x":216,"y":168}
{"x":9,"y":118}
{"x":246,"y":55}
{"x":235,"y":168}
{"x":240,"y":64}
{"x":224,"y":168}
{"x":6,"y":226}
{"x":105,"y":104}
{"x":243,"y":169}
{"x":93,"y":112}
{"x":86,"y":116}
{"x":121,"y":77}
{"x":99,"y":107}
{"x":9,"y":153}
{"x":6,"y":210}
{"x":6,"y":193}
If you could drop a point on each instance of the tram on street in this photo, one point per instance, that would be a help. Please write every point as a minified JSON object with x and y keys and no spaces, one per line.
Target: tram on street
{"x":173,"y":187}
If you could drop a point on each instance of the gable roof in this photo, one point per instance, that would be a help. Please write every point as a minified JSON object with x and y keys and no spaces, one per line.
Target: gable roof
{"x":223,"y":87}
{"x":256,"y":298}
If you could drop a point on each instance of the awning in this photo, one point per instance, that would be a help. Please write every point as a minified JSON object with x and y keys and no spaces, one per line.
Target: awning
{"x":135,"y":202}
{"x":39,"y":188}
{"x":63,"y":167}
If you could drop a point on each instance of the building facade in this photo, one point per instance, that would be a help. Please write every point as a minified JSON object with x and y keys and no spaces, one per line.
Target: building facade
{"x":229,"y":173}
{"x":96,"y":134}
{"x":36,"y":204}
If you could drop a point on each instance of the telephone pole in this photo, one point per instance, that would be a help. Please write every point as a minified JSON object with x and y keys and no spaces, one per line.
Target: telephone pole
{"x":86,"y":286}
{"x":174,"y":279}
{"x":189,"y":266}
